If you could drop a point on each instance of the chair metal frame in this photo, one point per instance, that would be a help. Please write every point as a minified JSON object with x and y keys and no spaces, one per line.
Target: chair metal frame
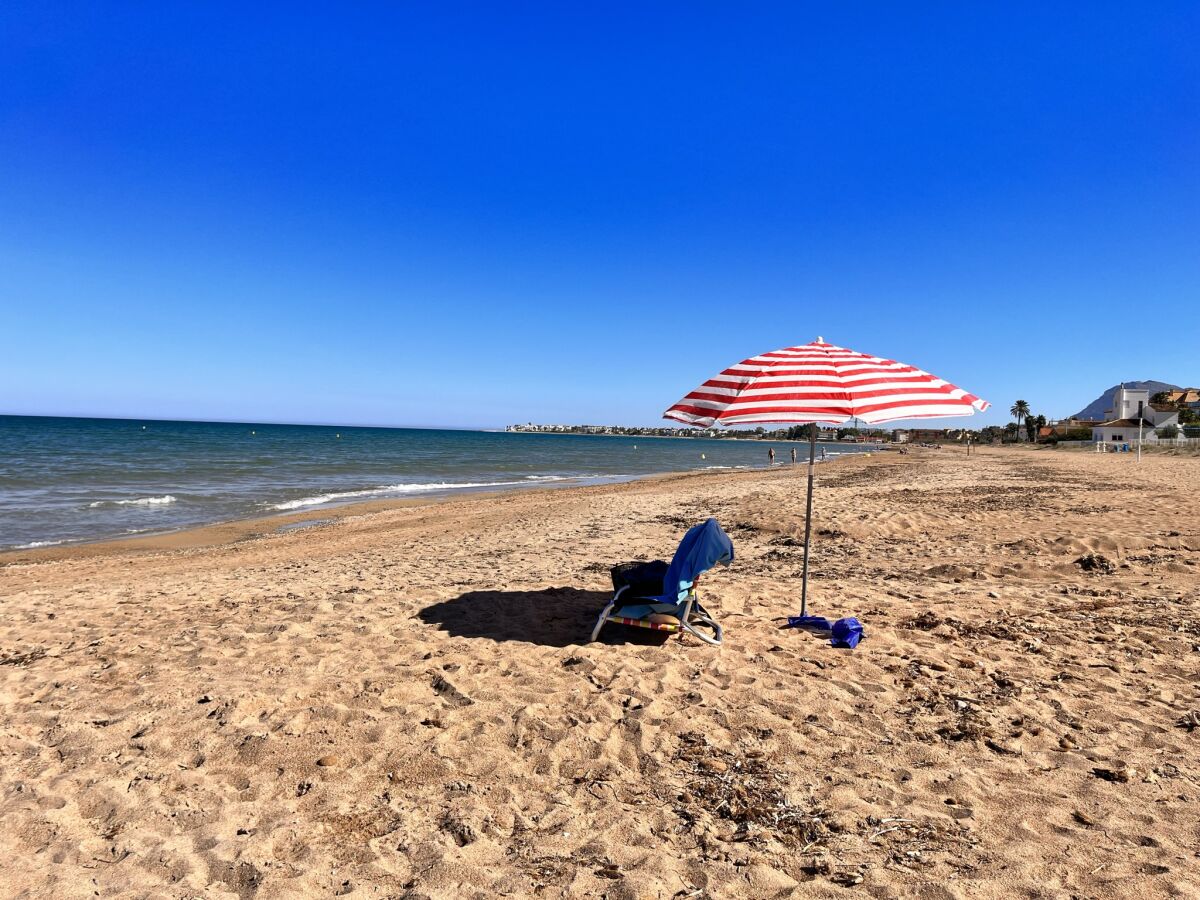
{"x":692,"y":615}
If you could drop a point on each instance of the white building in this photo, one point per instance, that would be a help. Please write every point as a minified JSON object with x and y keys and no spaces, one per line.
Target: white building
{"x":1121,"y":421}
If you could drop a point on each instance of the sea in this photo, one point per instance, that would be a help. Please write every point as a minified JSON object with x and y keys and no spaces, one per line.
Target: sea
{"x":70,"y":480}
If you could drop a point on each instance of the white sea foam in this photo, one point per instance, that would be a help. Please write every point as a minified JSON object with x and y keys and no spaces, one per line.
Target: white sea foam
{"x":33,"y":545}
{"x":391,"y":490}
{"x":140,"y":501}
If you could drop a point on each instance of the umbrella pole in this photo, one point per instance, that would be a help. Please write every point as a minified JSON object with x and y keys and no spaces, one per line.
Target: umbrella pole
{"x":812,"y":464}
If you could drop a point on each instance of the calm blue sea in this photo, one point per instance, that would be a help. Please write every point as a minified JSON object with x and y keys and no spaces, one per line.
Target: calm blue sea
{"x":64,"y":480}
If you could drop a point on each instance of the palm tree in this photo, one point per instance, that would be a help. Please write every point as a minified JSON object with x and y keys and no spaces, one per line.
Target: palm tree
{"x":1019,"y":411}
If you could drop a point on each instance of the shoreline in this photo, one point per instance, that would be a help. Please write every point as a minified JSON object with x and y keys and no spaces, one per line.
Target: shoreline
{"x":180,"y":538}
{"x":116,"y":481}
{"x":215,"y":534}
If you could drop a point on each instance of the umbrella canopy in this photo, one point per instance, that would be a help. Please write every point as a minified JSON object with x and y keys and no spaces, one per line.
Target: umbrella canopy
{"x":819,"y":382}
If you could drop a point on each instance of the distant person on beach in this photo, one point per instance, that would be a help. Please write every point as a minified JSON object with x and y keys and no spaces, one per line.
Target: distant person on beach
{"x":770,"y":456}
{"x":793,"y":456}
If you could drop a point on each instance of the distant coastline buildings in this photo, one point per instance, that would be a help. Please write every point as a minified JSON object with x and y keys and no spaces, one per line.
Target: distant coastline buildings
{"x":634,"y":431}
{"x":1164,"y":414}
{"x":826,"y":434}
{"x":794,"y":433}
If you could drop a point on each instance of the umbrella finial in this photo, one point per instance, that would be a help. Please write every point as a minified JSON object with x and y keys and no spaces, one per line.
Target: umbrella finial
{"x":820,"y":340}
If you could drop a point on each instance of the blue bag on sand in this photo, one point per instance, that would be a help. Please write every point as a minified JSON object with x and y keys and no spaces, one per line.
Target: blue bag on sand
{"x":847,"y":633}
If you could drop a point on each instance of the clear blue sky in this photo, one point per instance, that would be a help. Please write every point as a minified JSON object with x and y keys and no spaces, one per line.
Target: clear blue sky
{"x":472,"y":215}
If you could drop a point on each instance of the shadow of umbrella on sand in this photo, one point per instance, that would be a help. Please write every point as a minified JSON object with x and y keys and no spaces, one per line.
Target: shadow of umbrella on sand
{"x":820,"y":383}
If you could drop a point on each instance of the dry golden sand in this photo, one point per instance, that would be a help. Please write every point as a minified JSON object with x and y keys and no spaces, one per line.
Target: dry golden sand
{"x":399,"y":704}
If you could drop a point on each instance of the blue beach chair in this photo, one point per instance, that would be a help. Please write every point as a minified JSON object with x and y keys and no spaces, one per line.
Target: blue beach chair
{"x":663,"y":597}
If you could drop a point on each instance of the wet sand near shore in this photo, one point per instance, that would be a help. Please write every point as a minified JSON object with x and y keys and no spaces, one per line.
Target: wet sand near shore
{"x":400,"y":703}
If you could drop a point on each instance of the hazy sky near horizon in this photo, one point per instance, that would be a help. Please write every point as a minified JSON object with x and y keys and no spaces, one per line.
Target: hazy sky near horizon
{"x":469,"y":215}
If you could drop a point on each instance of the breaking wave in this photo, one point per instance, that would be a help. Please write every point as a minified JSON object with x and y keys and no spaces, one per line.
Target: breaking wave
{"x":392,"y":490}
{"x":140,"y":501}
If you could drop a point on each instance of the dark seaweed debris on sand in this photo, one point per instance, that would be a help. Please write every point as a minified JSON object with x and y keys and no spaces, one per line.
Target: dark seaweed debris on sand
{"x":1094,"y":562}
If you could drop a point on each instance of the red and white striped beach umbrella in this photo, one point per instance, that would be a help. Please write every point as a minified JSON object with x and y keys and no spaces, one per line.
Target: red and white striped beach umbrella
{"x":819,"y":382}
{"x":822,"y":383}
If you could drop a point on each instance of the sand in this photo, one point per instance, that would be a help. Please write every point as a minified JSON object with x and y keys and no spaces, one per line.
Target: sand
{"x":400,"y":703}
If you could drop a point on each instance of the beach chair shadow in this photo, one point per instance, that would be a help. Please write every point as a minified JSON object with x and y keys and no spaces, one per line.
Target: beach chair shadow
{"x":552,"y":617}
